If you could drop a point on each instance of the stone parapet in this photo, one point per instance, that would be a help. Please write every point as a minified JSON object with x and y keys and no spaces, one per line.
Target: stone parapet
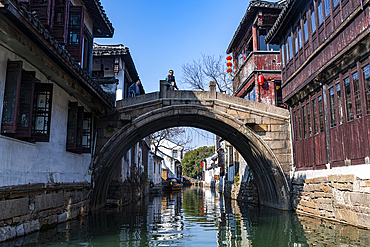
{"x":342,"y":198}
{"x":28,"y":208}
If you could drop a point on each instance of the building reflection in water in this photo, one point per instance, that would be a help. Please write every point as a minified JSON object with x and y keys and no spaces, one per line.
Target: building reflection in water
{"x":195,"y":217}
{"x":164,"y":217}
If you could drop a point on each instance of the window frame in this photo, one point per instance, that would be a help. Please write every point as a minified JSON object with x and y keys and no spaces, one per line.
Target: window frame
{"x":78,"y":116}
{"x":42,"y":87}
{"x":25,"y":80}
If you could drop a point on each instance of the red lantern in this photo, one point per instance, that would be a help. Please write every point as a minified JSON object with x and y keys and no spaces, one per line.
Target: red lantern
{"x":229,"y":64}
{"x":229,"y":70}
{"x":229,"y":58}
{"x":261,"y":80}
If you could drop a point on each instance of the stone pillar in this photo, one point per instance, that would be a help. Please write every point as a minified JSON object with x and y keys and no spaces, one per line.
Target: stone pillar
{"x":162,"y":88}
{"x":212,"y":90}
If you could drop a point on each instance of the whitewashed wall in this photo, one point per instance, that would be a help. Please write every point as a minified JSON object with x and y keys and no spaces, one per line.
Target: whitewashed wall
{"x":44,"y":162}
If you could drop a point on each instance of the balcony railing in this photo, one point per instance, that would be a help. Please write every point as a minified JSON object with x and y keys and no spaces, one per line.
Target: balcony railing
{"x":258,"y":61}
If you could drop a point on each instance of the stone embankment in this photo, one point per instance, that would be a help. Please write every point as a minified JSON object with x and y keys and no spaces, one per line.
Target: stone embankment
{"x":28,"y":208}
{"x":342,"y":198}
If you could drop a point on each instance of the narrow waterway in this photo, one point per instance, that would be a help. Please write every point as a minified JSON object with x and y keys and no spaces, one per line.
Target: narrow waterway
{"x":195,"y":217}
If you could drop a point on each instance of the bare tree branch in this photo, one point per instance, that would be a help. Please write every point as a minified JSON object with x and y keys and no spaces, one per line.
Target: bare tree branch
{"x":175,"y":135}
{"x":209,"y":68}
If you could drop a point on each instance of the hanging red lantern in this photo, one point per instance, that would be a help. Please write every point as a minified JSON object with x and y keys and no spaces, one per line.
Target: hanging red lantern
{"x":261,"y":80}
{"x":228,"y":58}
{"x":229,"y":64}
{"x":229,"y":70}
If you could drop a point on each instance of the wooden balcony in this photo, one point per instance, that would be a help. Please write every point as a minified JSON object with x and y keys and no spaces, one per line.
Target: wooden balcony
{"x":258,"y":61}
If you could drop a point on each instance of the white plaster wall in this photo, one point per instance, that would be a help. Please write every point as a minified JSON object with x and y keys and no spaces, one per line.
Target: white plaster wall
{"x":243,"y":169}
{"x":125,"y":166}
{"x":43,"y":162}
{"x":231,"y":173}
{"x":360,"y":171}
{"x":154,"y":170}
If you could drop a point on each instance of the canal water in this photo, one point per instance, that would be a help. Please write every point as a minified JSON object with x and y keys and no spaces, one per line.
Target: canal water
{"x":195,"y":217}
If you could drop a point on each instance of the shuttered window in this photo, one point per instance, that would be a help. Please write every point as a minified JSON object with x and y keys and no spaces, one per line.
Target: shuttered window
{"x":79,"y":129}
{"x":75,"y":32}
{"x":27,"y":105}
{"x":18,"y":101}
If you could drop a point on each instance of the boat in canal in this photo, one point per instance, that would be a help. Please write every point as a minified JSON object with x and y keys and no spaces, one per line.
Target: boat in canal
{"x":173,"y":184}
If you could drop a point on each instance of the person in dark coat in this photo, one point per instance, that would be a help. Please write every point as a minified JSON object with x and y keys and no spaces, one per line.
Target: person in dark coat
{"x":136,"y":89}
{"x":171,"y":83}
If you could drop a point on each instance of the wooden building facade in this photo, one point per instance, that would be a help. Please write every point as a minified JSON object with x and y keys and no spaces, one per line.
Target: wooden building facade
{"x":256,"y":73}
{"x":325,"y":54}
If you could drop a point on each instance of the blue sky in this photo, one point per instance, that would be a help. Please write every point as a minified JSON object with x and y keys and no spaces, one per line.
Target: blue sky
{"x":164,"y":35}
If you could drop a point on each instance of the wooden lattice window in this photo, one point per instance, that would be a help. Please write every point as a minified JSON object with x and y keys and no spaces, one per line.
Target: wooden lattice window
{"x":75,"y":32}
{"x":79,"y":129}
{"x":27,"y":105}
{"x":42,"y":102}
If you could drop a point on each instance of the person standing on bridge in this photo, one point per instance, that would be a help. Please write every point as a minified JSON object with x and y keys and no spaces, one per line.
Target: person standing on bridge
{"x":171,"y":84}
{"x":136,"y":89}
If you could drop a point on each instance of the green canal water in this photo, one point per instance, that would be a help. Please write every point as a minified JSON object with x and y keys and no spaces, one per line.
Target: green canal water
{"x":195,"y":217}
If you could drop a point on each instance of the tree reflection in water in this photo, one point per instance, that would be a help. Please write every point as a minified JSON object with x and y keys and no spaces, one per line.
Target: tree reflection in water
{"x":195,"y":217}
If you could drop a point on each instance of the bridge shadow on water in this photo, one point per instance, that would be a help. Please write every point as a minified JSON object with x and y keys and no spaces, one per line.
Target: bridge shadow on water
{"x":267,"y":152}
{"x":196,"y":217}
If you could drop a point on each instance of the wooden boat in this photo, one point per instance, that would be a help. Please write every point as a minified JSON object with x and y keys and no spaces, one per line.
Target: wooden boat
{"x":173,"y":184}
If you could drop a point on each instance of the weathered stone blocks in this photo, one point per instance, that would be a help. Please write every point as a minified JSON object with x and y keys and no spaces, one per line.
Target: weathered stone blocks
{"x":40,"y":208}
{"x":43,"y":202}
{"x":14,"y":207}
{"x":342,"y":198}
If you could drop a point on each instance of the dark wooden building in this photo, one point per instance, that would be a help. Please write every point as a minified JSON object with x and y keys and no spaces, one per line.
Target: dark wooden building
{"x":256,"y":63}
{"x":324,"y":46}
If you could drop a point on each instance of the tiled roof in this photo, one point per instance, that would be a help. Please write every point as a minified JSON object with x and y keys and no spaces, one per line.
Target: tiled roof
{"x":98,"y":13}
{"x":279,"y":20}
{"x":251,"y":7}
{"x":110,"y":50}
{"x":118,"y":50}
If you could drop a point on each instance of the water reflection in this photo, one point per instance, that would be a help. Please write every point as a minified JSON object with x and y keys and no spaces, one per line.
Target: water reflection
{"x":196,"y":217}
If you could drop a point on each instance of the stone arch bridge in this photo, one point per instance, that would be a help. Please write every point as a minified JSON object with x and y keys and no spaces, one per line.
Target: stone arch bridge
{"x":261,"y":134}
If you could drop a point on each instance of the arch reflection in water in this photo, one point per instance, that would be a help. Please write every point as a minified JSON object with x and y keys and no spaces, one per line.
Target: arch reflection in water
{"x":196,"y":217}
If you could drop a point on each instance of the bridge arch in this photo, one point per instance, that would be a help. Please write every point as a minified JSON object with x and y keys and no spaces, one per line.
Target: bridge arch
{"x":271,"y":180}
